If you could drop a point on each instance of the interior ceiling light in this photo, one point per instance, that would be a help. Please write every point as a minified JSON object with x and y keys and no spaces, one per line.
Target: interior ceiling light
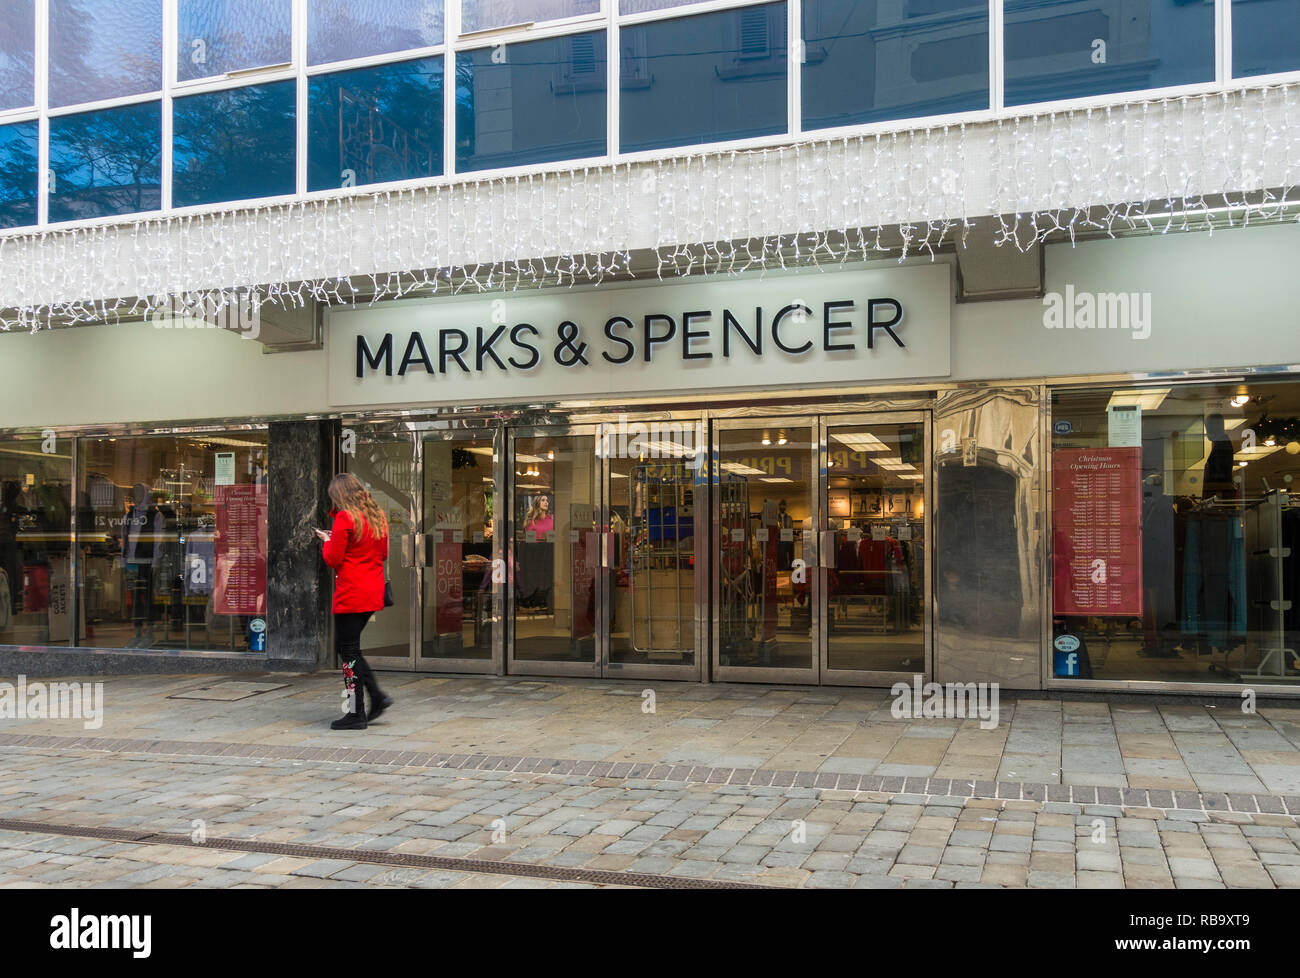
{"x":860,"y":441}
{"x":1241,"y":400}
{"x":1149,"y":399}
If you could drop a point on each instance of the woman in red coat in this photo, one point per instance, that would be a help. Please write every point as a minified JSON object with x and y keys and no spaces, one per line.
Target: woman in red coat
{"x":356,"y":547}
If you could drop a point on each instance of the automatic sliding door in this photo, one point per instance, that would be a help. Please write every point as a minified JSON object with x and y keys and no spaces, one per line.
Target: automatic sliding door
{"x":875,"y":536}
{"x":386,"y":462}
{"x":459,"y":613}
{"x":556,"y":553}
{"x":765,"y":551}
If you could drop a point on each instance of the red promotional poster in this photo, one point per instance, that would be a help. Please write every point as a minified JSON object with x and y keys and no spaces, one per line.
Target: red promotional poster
{"x":240,"y":551}
{"x":449,"y":542}
{"x":1097,"y":531}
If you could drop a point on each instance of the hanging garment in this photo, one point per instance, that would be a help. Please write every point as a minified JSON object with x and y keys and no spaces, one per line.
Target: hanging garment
{"x":36,"y":588}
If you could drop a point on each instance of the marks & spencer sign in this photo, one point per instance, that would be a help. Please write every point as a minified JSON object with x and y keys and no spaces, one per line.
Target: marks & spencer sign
{"x":801,"y":329}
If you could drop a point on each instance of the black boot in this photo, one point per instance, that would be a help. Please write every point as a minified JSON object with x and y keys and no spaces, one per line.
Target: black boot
{"x":378,"y":701}
{"x":356,"y":720}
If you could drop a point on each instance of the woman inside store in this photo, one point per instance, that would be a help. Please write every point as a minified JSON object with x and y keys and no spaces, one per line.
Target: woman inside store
{"x":356,"y":547}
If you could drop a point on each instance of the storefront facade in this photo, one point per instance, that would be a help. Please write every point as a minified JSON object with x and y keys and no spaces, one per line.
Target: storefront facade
{"x":818,"y":477}
{"x":808,"y":342}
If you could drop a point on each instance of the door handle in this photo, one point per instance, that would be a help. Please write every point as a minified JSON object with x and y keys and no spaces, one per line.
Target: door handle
{"x":607,"y":549}
{"x":427,"y":538}
{"x":827,"y":549}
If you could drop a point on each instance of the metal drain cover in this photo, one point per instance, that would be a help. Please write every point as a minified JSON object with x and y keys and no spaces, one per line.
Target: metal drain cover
{"x":227,"y":692}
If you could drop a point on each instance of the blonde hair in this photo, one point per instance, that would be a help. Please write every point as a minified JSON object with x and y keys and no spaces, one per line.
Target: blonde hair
{"x":348,"y":495}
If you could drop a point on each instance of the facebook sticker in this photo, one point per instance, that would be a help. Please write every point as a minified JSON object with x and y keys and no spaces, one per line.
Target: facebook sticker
{"x":1065,"y":660}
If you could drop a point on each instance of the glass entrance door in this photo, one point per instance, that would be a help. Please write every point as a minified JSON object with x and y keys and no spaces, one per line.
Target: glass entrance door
{"x":820,"y":549}
{"x":602,"y":561}
{"x":875,"y":545}
{"x":437,"y":484}
{"x":766,"y":587}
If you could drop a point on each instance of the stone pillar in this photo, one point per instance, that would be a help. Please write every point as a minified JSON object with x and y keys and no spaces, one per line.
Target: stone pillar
{"x":297,"y":581}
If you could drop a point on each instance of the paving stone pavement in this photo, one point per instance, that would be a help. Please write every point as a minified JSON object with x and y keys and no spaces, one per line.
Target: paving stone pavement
{"x":777,"y":786}
{"x":1185,"y":746}
{"x":774,"y":836}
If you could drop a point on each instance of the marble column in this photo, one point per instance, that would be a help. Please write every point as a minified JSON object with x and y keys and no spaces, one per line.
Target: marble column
{"x":297,"y":580}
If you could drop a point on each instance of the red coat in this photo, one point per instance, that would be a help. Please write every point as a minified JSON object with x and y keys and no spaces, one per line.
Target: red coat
{"x":359,"y":582}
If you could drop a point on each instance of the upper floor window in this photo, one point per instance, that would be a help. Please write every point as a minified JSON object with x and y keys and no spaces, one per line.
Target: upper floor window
{"x":531,"y":102}
{"x":339,"y":30}
{"x":486,"y":15}
{"x":17,"y":54}
{"x":104,"y":49}
{"x":1265,"y":37}
{"x":106,"y":162}
{"x":375,"y":125}
{"x":707,"y":78}
{"x":215,"y":37}
{"x":872,"y":60}
{"x":18,"y":183}
{"x":1064,"y":49}
{"x":236,"y":144}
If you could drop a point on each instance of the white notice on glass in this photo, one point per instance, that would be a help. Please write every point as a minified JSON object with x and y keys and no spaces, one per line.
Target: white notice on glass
{"x":761,"y":534}
{"x":225,"y":474}
{"x":879,"y":533}
{"x":787,"y":534}
{"x":1124,"y":426}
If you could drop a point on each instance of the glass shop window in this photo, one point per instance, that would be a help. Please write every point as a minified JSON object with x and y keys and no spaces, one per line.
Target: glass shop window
{"x":872,"y":61}
{"x":703,"y":79}
{"x":486,"y":15}
{"x":236,"y":144}
{"x":172,"y":536}
{"x":17,"y":55}
{"x":373,"y":125}
{"x":35,"y":541}
{"x":1265,"y":37}
{"x":1066,"y":49}
{"x":1176,"y":534}
{"x":215,"y":37}
{"x":18,"y":174}
{"x":102,"y":49}
{"x":531,"y":102}
{"x":339,"y":30}
{"x":106,"y":162}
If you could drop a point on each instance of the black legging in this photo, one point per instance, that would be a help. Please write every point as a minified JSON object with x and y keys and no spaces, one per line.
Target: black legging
{"x":347,"y":643}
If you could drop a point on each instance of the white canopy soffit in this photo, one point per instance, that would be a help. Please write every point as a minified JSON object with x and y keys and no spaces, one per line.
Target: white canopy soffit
{"x":1166,"y":164}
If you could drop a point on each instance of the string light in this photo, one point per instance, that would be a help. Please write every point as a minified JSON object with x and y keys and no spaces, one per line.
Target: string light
{"x":821,"y":202}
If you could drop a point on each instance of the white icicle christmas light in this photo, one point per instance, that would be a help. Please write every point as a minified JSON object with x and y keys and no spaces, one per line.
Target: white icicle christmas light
{"x":1152,"y":166}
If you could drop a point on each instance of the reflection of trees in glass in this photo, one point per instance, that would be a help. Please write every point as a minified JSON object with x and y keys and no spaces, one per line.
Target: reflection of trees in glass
{"x":234,"y":35}
{"x":106,"y":162}
{"x":17,"y":58}
{"x":104,"y":50}
{"x":18,"y":174}
{"x":343,"y":29}
{"x":380,"y":123}
{"x":234,"y":145}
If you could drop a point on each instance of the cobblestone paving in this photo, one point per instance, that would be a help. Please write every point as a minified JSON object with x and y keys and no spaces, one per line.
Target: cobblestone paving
{"x":1175,"y":747}
{"x":783,"y":836}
